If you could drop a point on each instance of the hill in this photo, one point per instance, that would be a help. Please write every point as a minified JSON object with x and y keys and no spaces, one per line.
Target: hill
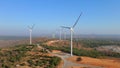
{"x":27,"y":56}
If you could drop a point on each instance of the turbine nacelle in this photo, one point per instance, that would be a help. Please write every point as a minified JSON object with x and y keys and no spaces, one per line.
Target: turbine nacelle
{"x":31,"y":27}
{"x":30,"y":30}
{"x":72,"y":29}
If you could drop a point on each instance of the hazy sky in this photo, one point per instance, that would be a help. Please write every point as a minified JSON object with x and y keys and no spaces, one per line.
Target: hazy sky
{"x":99,"y":16}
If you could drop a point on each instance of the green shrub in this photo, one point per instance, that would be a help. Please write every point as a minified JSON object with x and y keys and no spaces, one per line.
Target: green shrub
{"x":79,"y":59}
{"x":30,"y":62}
{"x":23,"y":64}
{"x":55,"y":61}
{"x":4,"y":66}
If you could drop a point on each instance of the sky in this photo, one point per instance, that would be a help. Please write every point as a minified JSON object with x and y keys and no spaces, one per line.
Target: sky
{"x":99,"y":16}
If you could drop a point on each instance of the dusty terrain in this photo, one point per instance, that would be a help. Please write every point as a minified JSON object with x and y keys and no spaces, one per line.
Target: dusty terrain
{"x":106,"y":63}
{"x":57,"y":42}
{"x":102,"y":63}
{"x":70,"y":62}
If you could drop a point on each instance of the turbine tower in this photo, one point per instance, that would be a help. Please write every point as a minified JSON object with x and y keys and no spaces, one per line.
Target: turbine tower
{"x":63,"y":33}
{"x":71,"y":31}
{"x":53,"y":35}
{"x":30,"y":30}
{"x":60,"y":37}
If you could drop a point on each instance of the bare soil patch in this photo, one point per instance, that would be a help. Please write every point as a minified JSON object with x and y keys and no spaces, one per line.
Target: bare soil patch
{"x":107,"y":63}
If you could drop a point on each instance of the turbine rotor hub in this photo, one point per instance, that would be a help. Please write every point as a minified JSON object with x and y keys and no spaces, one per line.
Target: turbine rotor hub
{"x":71,"y":29}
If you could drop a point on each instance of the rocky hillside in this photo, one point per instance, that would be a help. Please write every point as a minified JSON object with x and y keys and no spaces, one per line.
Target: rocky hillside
{"x":112,"y":48}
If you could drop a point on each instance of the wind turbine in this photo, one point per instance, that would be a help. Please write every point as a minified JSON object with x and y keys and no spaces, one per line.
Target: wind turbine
{"x":63,"y":33}
{"x":60,"y":37}
{"x":30,"y":30}
{"x":71,"y":31}
{"x":53,"y":35}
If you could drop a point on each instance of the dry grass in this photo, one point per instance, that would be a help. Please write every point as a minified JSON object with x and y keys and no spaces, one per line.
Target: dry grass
{"x":57,"y":42}
{"x":56,"y":51}
{"x":107,"y":63}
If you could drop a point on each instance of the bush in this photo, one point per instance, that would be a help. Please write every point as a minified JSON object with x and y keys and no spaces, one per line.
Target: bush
{"x":30,"y":62}
{"x":23,"y":64}
{"x":55,"y":61}
{"x":79,"y":59}
{"x":39,"y":63}
{"x":4,"y":66}
{"x":12,"y":59}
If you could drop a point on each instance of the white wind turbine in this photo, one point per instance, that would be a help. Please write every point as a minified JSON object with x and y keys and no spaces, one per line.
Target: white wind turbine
{"x":63,"y":32}
{"x":60,"y":37}
{"x":30,"y":30}
{"x":64,"y":35}
{"x":71,"y":30}
{"x":53,"y":35}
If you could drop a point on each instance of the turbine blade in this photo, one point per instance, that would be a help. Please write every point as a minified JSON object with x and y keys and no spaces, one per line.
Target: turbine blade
{"x":32,"y":26}
{"x":77,"y":20}
{"x":65,"y":27}
{"x":29,"y":27}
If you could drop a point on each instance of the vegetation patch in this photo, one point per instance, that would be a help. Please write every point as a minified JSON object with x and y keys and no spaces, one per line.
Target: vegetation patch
{"x":82,"y":52}
{"x":27,"y":55}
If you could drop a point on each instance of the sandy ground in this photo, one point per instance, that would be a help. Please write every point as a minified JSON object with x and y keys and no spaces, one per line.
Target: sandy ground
{"x":71,"y":64}
{"x":51,"y":42}
{"x":56,"y":51}
{"x":58,"y":42}
{"x":106,"y":63}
